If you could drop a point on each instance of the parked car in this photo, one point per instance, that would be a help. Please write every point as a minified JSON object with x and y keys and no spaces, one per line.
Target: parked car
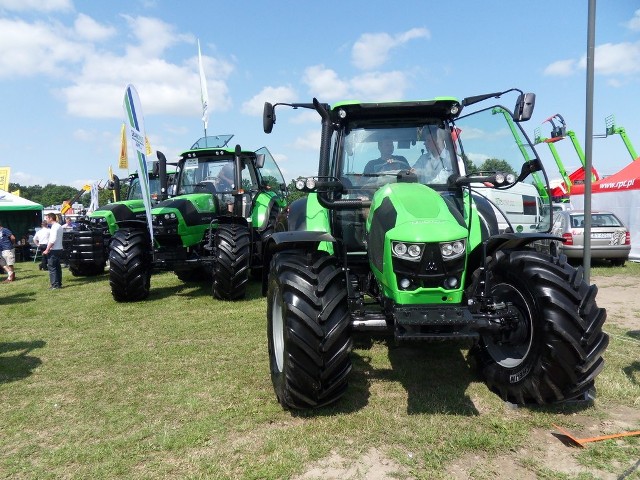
{"x":610,"y":238}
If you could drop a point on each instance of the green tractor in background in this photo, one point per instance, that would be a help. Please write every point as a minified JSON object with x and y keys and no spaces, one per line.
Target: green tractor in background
{"x":227,"y":203}
{"x":388,"y":245}
{"x":87,"y":247}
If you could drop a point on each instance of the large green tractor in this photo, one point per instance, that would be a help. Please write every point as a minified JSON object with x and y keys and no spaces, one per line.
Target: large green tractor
{"x":87,"y":247}
{"x":402,"y":243}
{"x":227,"y":203}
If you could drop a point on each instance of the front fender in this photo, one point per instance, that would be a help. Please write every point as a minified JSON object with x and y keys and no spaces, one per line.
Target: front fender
{"x":304,"y":240}
{"x":515,"y":241}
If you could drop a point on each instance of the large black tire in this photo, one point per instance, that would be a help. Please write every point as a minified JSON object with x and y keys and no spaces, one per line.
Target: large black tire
{"x":308,"y":329}
{"x":232,"y":261}
{"x":556,"y":352}
{"x":86,"y":252}
{"x":86,"y":270}
{"x":130,"y":265}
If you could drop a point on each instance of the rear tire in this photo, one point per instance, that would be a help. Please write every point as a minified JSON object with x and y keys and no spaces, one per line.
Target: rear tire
{"x":556,"y":351}
{"x":308,"y":329}
{"x":129,"y":265}
{"x":233,"y":256}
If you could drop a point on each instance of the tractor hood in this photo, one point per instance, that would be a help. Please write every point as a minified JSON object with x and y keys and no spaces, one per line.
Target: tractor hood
{"x":414,"y":214}
{"x":194,"y":209}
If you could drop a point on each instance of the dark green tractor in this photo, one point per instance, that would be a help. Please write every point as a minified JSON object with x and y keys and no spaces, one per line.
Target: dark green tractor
{"x":227,"y":203}
{"x":87,"y":247}
{"x":407,"y":244}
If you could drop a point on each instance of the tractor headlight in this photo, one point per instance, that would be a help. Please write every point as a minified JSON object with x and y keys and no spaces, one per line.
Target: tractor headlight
{"x":300,"y":184}
{"x":407,"y":251}
{"x":310,"y":183}
{"x":399,"y":249}
{"x":451,"y":250}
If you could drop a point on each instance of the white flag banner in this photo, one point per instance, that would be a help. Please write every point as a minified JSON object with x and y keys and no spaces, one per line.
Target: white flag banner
{"x":135,"y":126}
{"x":204,"y":95}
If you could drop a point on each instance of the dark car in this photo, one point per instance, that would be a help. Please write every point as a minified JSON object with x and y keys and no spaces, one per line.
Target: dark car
{"x":610,"y":238}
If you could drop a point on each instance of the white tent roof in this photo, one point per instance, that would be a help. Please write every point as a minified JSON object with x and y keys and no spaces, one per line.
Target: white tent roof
{"x":12,"y":202}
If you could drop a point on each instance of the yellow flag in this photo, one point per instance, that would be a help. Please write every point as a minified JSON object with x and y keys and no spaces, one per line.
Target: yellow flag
{"x":124,"y":158}
{"x":16,"y":193}
{"x":147,"y":145}
{"x":4,"y":178}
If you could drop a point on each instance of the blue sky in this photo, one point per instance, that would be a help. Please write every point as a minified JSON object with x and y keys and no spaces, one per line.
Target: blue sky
{"x":64,"y":65}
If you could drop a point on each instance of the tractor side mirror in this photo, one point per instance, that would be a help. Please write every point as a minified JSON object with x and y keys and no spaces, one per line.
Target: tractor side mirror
{"x":524,"y":107}
{"x":260,"y":160}
{"x":268,"y":117}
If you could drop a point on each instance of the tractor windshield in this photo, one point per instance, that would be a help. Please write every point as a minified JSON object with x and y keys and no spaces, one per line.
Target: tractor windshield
{"x":202,"y":172}
{"x":374,"y":156}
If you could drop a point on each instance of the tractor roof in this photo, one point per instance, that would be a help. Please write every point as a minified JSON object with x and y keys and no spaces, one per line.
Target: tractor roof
{"x":439,"y":107}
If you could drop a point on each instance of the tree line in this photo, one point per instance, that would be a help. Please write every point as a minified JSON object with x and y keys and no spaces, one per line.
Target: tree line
{"x":52,"y":194}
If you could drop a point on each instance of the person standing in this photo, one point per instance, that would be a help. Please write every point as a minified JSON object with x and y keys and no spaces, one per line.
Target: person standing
{"x":54,"y":251}
{"x":8,"y":257}
{"x":41,"y":239}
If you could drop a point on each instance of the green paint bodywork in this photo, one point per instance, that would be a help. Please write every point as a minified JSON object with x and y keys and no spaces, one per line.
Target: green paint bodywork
{"x":136,"y":206}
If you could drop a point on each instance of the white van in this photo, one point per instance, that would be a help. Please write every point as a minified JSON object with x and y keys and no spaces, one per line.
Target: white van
{"x":521,"y":205}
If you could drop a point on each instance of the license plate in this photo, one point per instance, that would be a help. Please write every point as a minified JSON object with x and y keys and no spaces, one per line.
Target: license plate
{"x":600,"y":235}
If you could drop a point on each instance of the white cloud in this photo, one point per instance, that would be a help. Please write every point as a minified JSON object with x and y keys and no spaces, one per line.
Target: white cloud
{"x":379,"y":86}
{"x":87,"y":28}
{"x":309,"y":141}
{"x":28,"y":49}
{"x":36,"y":5}
{"x":153,"y":37}
{"x":324,"y":83}
{"x":371,"y":50}
{"x":561,"y":68}
{"x":616,"y":59}
{"x":610,"y":59}
{"x":255,"y":105}
{"x":164,"y":87}
{"x":634,"y":23}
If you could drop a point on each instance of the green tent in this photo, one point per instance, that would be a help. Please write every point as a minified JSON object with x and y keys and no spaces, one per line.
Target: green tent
{"x":19,"y":214}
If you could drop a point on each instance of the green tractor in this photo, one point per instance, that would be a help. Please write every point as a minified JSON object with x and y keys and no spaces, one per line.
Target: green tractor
{"x":227,"y":203}
{"x":400,"y":243}
{"x":87,"y":247}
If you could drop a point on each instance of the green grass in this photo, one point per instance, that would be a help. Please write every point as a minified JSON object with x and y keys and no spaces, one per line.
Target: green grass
{"x":178,"y":386}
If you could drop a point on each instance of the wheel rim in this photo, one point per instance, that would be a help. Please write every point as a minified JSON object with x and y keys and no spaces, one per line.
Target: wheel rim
{"x":277,"y":331}
{"x":512,"y":354}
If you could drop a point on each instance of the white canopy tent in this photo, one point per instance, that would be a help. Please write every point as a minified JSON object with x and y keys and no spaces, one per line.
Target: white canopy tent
{"x":620,"y":194}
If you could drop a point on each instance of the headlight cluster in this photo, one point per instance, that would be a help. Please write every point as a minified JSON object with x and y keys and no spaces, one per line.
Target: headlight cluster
{"x":95,"y":220}
{"x":305,"y":184}
{"x":451,"y":250}
{"x":165,"y":219}
{"x":407,"y":251}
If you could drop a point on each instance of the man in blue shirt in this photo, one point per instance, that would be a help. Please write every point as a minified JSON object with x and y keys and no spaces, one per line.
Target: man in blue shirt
{"x":8,"y":257}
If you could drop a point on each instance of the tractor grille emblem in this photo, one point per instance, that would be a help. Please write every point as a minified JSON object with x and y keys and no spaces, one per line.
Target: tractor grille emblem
{"x":431,"y":266}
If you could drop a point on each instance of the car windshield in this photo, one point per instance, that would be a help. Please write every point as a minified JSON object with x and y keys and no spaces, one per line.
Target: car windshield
{"x":374,"y":156}
{"x":597,"y":220}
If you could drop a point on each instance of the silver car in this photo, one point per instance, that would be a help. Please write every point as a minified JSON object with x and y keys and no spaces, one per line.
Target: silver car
{"x":610,"y":239}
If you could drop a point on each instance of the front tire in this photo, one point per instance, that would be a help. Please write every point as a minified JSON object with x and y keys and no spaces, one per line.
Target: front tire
{"x":233,"y":256}
{"x":129,"y":265}
{"x":308,"y":329}
{"x":555,"y":352}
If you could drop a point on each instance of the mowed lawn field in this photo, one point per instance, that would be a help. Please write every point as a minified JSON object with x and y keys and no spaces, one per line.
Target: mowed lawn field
{"x":178,"y":386}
